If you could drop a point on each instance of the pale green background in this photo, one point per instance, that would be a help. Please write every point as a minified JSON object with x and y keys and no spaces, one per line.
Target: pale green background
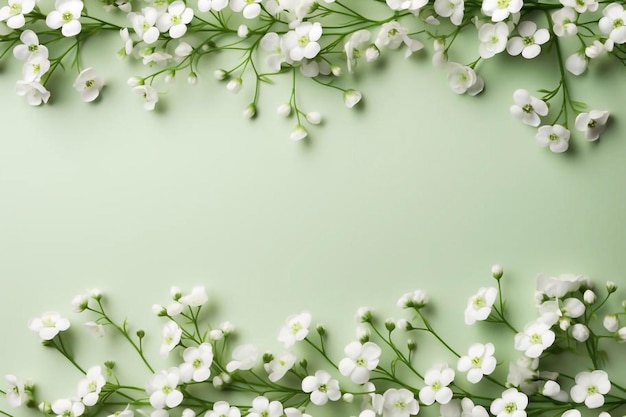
{"x":420,"y":188}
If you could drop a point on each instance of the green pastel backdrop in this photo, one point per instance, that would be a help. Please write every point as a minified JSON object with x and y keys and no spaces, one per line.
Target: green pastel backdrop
{"x":419,"y":188}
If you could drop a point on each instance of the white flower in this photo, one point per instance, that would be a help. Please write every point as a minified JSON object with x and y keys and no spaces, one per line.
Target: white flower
{"x":523,"y":372}
{"x":49,"y":324}
{"x":162,"y":389}
{"x":298,"y":133}
{"x":468,"y":409}
{"x":68,"y":408}
{"x":501,"y":9}
{"x":183,"y":50}
{"x":437,"y":380}
{"x":223,"y":409}
{"x":144,"y":24}
{"x":536,"y":337}
{"x":453,"y":9}
{"x":216,"y":5}
{"x":295,"y":329}
{"x":530,"y":40}
{"x":592,"y":123}
{"x":621,"y":333}
{"x":528,"y":108}
{"x":354,"y":46}
{"x":392,"y":35}
{"x":94,"y":328}
{"x":364,"y":314}
{"x":360,"y":360}
{"x":611,"y":322}
{"x":512,"y":404}
{"x":580,"y":332}
{"x":590,"y":388}
{"x":493,"y":39}
{"x":89,"y":387}
{"x":273,"y":43}
{"x":88,"y":84}
{"x":196,"y":298}
{"x":411,"y":5}
{"x":613,"y":22}
{"x":30,"y":45}
{"x":35,"y":67}
{"x":581,"y":6}
{"x":479,"y":361}
{"x":14,"y":12}
{"x":171,"y":337}
{"x":35,"y":93}
{"x":175,"y":20}
{"x":557,"y":287}
{"x":244,"y":358}
{"x":322,"y":387}
{"x":262,"y":407}
{"x":278,"y":367}
{"x":294,"y":412}
{"x":351,"y":98}
{"x":479,"y":305}
{"x":598,"y":49}
{"x":16,"y":394}
{"x":576,"y":63}
{"x":416,"y":299}
{"x":149,"y":94}
{"x":551,"y":311}
{"x":302,"y":42}
{"x":79,"y":303}
{"x":234,"y":85}
{"x":564,"y":22}
{"x":65,"y":16}
{"x":250,"y":8}
{"x":399,"y":403}
{"x":314,"y":117}
{"x":556,"y":137}
{"x":197,"y":364}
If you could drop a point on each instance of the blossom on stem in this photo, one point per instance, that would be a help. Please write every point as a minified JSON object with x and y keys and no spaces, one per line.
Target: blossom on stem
{"x":89,"y":387}
{"x":536,"y":337}
{"x":322,"y":387}
{"x":162,"y":389}
{"x":49,"y":324}
{"x":360,"y":360}
{"x":493,"y":39}
{"x":16,"y":394}
{"x":295,"y":329}
{"x":590,"y":388}
{"x":244,"y":358}
{"x":197,"y":365}
{"x":88,"y":84}
{"x":66,"y":15}
{"x":13,"y":13}
{"x":512,"y":403}
{"x":592,"y":123}
{"x":171,"y":337}
{"x":399,"y":403}
{"x":479,"y":361}
{"x":530,"y":40}
{"x":528,"y":108}
{"x":479,"y":305}
{"x":437,"y":380}
{"x":556,"y":137}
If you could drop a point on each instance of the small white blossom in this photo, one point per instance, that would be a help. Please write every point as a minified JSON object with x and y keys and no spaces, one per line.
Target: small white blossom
{"x":197,"y":365}
{"x":528,"y":108}
{"x":13,"y":13}
{"x":576,"y":63}
{"x":351,"y":98}
{"x":95,"y":329}
{"x":493,"y":39}
{"x":171,"y":337}
{"x":453,"y":9}
{"x":144,"y":24}
{"x":437,"y":380}
{"x":149,"y":94}
{"x":35,"y":67}
{"x":536,"y":337}
{"x":392,"y":35}
{"x":580,"y":332}
{"x":613,"y":22}
{"x":196,"y":298}
{"x":298,"y":133}
{"x":16,"y":393}
{"x":89,"y":387}
{"x":88,"y":84}
{"x":512,"y":404}
{"x":468,"y":409}
{"x":564,"y":22}
{"x":262,"y":407}
{"x":234,"y":85}
{"x":415,"y":299}
{"x":590,"y":388}
{"x":354,"y":47}
{"x":530,"y":40}
{"x":66,"y":15}
{"x":295,"y":329}
{"x":216,"y":5}
{"x":499,"y":10}
{"x":592,"y":123}
{"x":478,"y":362}
{"x":162,"y":389}
{"x":68,"y":408}
{"x":250,"y":8}
{"x":360,"y":360}
{"x":581,"y":6}
{"x":322,"y":387}
{"x":611,"y":322}
{"x":479,"y":305}
{"x":35,"y":93}
{"x":302,"y":41}
{"x":399,"y":403}
{"x":598,"y":49}
{"x":49,"y":324}
{"x":223,"y":409}
{"x":30,"y":45}
{"x":280,"y":365}
{"x":244,"y":358}
{"x":411,"y":5}
{"x":556,"y":137}
{"x":175,"y":20}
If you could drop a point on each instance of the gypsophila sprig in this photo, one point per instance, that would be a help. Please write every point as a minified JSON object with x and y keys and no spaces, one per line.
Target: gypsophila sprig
{"x":375,"y":375}
{"x":320,"y":42}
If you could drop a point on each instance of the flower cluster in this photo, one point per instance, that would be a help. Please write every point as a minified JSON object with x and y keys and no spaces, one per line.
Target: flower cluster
{"x":378,"y":366}
{"x":320,"y":41}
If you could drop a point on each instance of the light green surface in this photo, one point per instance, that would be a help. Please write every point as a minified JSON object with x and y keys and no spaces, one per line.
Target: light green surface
{"x":419,"y":189}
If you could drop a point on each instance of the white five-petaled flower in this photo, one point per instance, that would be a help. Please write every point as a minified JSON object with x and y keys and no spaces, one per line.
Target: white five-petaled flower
{"x":360,"y":360}
{"x":35,"y":66}
{"x":493,"y":39}
{"x":250,"y":8}
{"x":564,"y":22}
{"x":399,"y":403}
{"x":50,"y":323}
{"x":66,"y":15}
{"x":149,"y":94}
{"x":144,"y":24}
{"x":454,"y":9}
{"x":530,"y":40}
{"x":528,"y":108}
{"x":479,"y":361}
{"x":273,"y":43}
{"x":35,"y":94}
{"x":463,"y":79}
{"x":197,"y":365}
{"x":88,"y":84}
{"x":581,"y":6}
{"x":198,"y":296}
{"x":89,"y":387}
{"x":392,"y":35}
{"x":162,"y":389}
{"x":479,"y":305}
{"x":592,"y":123}
{"x":262,"y":407}
{"x":95,"y":329}
{"x":437,"y":380}
{"x":536,"y":337}
{"x":175,"y":20}
{"x":302,"y":42}
{"x":30,"y":45}
{"x":613,"y":22}
{"x":215,"y":5}
{"x":171,"y":337}
{"x":223,"y":409}
{"x":244,"y":358}
{"x":468,"y":409}
{"x":322,"y":387}
{"x":512,"y":404}
{"x":13,"y":13}
{"x":16,"y":394}
{"x":295,"y":329}
{"x":278,"y":367}
{"x":590,"y":388}
{"x":556,"y":137}
{"x":68,"y":408}
{"x":416,"y":299}
{"x":501,"y":9}
{"x":411,"y":5}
